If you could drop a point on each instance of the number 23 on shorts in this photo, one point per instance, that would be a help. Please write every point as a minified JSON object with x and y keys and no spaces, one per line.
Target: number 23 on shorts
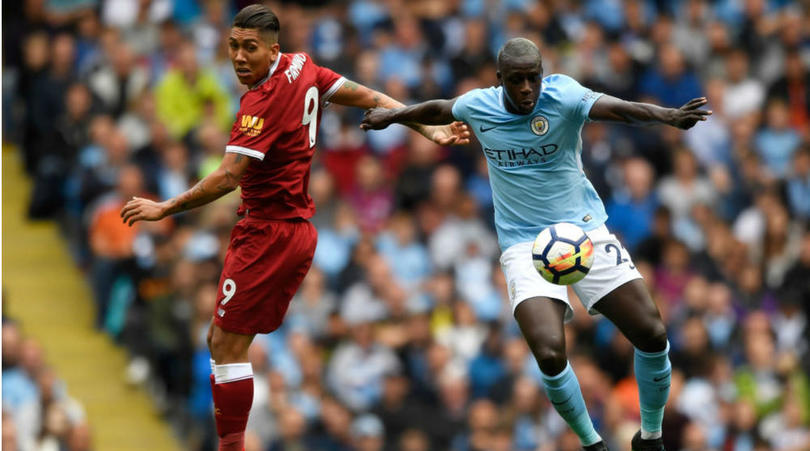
{"x":619,"y":259}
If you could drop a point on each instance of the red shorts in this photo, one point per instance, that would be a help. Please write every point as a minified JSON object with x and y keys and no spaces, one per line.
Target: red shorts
{"x":265,"y":263}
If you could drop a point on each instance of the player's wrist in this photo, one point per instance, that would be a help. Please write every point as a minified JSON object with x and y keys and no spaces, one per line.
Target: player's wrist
{"x":671,"y":117}
{"x":165,"y":208}
{"x":428,"y":131}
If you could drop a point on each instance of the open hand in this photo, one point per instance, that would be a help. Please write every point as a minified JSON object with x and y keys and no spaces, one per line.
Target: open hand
{"x":689,"y":114}
{"x":454,"y":134}
{"x":140,"y":209}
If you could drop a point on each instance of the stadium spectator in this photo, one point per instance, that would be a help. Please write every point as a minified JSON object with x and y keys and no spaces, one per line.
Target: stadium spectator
{"x":631,"y":209}
{"x":798,"y":184}
{"x":743,"y":94}
{"x":670,"y":81}
{"x":777,"y":141}
{"x":359,"y":366}
{"x":38,"y":413}
{"x":188,"y":94}
{"x":120,"y":80}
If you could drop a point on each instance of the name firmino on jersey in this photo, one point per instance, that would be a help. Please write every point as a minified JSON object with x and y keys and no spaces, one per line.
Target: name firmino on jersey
{"x":294,"y":70}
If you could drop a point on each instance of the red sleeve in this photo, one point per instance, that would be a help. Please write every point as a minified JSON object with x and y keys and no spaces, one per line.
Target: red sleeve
{"x":252,"y":133}
{"x":328,"y":81}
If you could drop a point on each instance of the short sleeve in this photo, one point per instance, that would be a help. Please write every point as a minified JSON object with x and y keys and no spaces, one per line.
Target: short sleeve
{"x":251,"y":132}
{"x":577,"y":99}
{"x":461,"y":107}
{"x":328,"y":82}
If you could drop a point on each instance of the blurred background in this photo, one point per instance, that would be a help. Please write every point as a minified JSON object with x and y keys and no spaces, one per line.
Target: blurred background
{"x":401,"y":336}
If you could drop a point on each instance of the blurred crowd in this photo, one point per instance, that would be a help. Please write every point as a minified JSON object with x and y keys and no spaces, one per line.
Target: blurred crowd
{"x":401,"y":337}
{"x":38,"y":412}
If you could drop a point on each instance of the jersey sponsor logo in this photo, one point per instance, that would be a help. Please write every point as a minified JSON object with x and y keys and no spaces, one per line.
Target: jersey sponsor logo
{"x":296,"y":65}
{"x":251,"y":125}
{"x":539,"y":125}
{"x":520,"y":157}
{"x":586,"y":218}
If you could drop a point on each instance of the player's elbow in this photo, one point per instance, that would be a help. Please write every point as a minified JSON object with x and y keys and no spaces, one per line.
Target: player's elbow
{"x":226,"y":179}
{"x":231,"y":180}
{"x":231,"y":185}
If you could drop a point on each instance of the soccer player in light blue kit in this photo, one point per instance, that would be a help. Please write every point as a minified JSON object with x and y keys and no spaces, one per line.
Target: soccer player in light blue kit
{"x":529,"y":129}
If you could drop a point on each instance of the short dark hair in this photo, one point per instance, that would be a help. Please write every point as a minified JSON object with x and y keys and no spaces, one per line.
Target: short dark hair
{"x":516,"y":48}
{"x":257,"y":17}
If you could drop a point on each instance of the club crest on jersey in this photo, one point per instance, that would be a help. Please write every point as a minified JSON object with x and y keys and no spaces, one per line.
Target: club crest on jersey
{"x":539,"y":125}
{"x":251,"y":125}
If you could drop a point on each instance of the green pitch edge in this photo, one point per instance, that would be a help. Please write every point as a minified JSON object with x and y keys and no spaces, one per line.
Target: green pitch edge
{"x":48,"y":294}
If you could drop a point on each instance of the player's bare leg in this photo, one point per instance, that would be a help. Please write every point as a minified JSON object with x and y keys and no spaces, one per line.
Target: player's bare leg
{"x":231,"y":385}
{"x":633,"y":311}
{"x":541,"y":322}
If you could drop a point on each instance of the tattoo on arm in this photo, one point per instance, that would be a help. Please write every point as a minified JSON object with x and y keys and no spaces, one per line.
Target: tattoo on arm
{"x":223,"y":181}
{"x":183,"y":201}
{"x":351,"y":85}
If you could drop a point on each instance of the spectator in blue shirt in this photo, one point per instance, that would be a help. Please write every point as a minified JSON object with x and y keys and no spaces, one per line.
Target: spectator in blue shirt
{"x":798,"y":185}
{"x":630,"y":211}
{"x":669,"y":81}
{"x":776,"y":142}
{"x":408,"y":258}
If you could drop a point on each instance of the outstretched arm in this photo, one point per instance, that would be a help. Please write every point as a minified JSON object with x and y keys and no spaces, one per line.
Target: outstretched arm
{"x":444,"y":132}
{"x":215,"y":185}
{"x":608,"y":108}
{"x":430,"y":112}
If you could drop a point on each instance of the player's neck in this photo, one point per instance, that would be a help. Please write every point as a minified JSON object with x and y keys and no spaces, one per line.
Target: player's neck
{"x":261,"y":80}
{"x":270,"y":71}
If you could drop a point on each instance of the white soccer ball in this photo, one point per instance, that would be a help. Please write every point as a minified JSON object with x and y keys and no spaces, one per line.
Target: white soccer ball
{"x":562,"y":253}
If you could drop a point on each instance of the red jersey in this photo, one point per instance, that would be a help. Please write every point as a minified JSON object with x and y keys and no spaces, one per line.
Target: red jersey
{"x":277,"y":124}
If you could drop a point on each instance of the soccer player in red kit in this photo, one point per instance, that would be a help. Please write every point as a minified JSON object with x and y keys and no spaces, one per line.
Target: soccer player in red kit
{"x":269,"y":155}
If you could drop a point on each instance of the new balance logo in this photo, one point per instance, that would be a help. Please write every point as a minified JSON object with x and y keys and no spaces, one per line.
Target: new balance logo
{"x":251,"y":125}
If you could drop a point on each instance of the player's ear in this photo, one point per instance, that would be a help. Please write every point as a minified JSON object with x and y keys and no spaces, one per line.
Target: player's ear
{"x":274,"y":49}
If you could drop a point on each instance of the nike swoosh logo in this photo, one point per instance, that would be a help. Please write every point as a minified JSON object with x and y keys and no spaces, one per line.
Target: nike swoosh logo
{"x":659,"y":379}
{"x":483,"y":130}
{"x":561,"y":403}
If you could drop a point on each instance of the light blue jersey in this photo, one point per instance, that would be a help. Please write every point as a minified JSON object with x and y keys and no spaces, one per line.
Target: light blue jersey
{"x":534,"y":160}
